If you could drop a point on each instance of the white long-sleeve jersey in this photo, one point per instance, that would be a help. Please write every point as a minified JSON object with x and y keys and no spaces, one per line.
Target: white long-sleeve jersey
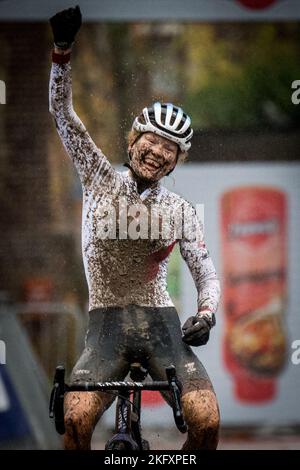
{"x":119,"y":270}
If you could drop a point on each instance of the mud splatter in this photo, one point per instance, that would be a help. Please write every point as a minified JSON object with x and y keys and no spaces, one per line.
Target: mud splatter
{"x":122,"y":272}
{"x":201,"y":414}
{"x":82,"y":412}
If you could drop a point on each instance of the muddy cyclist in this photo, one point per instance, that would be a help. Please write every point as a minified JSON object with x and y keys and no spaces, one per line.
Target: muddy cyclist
{"x":131,"y":315}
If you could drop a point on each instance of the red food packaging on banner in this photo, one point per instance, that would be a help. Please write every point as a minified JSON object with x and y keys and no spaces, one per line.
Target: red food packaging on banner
{"x":254,"y":289}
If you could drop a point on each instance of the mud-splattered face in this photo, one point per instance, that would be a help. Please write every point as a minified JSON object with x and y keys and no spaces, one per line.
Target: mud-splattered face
{"x":153,"y":156}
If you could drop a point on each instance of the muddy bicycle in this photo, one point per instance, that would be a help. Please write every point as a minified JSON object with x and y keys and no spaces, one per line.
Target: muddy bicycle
{"x":128,"y":435}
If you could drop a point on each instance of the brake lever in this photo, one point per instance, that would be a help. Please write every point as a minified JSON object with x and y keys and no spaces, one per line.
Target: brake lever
{"x":52,"y":401}
{"x":56,"y":406}
{"x":176,"y":392}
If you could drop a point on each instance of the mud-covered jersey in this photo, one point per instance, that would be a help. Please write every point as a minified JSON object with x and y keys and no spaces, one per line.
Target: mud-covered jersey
{"x":123,"y":269}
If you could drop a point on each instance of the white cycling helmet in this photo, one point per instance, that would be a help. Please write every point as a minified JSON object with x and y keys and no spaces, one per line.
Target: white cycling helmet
{"x":168,"y":121}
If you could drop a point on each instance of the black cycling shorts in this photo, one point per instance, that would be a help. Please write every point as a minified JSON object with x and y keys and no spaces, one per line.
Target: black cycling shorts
{"x":118,"y":336}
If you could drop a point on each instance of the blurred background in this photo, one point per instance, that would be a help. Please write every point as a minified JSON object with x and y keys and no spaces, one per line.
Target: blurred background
{"x":231,"y":65}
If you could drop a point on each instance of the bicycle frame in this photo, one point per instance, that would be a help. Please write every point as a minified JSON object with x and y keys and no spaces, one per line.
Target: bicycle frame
{"x":128,"y":415}
{"x":127,"y":424}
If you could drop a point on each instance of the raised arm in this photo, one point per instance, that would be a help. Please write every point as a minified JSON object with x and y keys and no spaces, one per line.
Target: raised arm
{"x":91,"y":164}
{"x":196,"y":255}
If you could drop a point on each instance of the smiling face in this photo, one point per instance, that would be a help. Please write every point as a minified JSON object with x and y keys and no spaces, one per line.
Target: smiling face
{"x":153,"y":156}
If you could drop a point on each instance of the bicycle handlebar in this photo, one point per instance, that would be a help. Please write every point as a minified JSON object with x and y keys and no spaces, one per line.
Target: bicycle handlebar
{"x":103,"y":386}
{"x":56,"y":408}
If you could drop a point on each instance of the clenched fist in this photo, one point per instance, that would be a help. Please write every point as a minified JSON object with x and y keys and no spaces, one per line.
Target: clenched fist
{"x":65,"y":26}
{"x":196,"y":331}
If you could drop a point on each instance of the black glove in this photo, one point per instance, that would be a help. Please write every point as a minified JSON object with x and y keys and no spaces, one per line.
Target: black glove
{"x":65,"y":25}
{"x":196,"y":331}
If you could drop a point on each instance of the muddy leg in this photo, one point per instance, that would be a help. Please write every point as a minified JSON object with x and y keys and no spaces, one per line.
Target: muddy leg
{"x":201,"y":412}
{"x":82,"y":412}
